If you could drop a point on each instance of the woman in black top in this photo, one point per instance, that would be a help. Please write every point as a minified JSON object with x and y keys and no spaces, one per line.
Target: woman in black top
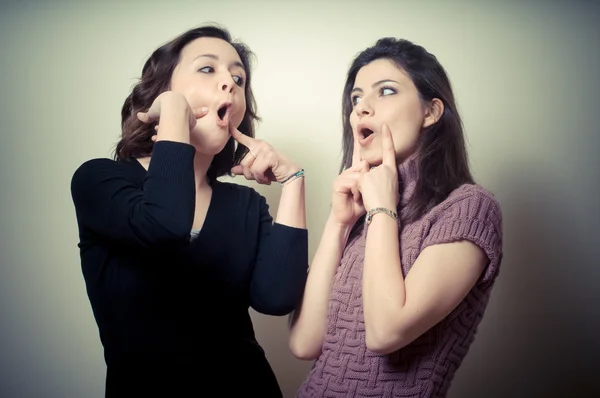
{"x":173,"y":258}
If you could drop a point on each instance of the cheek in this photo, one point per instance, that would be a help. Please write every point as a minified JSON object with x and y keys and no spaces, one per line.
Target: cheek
{"x":405,"y":132}
{"x":195,"y":91}
{"x":407,"y":122}
{"x":240,"y":110}
{"x":353,"y":121}
{"x":197,"y":96}
{"x":237,"y":118}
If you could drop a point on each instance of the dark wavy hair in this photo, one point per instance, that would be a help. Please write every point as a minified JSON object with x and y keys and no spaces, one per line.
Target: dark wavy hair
{"x":136,"y":138}
{"x":441,"y":153}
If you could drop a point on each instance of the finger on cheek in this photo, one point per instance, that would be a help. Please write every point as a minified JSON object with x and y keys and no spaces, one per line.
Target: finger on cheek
{"x":201,"y":112}
{"x":389,"y":152}
{"x":356,"y":153}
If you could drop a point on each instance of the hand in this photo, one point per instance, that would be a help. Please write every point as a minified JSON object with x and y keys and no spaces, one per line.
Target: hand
{"x":174,"y":104}
{"x":346,"y":201}
{"x":262,"y":163}
{"x":379,"y":187}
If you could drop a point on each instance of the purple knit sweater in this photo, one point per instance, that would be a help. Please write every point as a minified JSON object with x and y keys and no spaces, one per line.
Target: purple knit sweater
{"x":424,"y":368}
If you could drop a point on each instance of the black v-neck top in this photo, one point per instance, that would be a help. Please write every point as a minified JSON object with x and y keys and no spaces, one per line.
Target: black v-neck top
{"x":169,"y":307}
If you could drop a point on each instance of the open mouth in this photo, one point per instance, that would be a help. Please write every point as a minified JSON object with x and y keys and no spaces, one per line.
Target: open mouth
{"x":365,"y":132}
{"x":223,"y":114}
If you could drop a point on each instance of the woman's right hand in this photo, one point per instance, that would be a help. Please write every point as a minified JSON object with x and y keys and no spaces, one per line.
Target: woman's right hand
{"x":346,"y":202}
{"x":172,"y":107}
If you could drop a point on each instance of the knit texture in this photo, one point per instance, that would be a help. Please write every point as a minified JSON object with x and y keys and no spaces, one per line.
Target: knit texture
{"x":426,"y":367}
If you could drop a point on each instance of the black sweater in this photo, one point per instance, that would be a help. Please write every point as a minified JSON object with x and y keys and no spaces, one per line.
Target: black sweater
{"x":173,"y":311}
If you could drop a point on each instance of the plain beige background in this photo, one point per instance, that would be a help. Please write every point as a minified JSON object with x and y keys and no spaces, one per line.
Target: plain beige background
{"x":526,"y":78}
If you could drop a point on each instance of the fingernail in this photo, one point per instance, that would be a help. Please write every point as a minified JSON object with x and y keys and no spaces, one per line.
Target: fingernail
{"x":204,"y":110}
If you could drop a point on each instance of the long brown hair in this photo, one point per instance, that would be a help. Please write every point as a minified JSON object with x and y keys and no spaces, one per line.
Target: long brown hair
{"x":136,"y":139}
{"x":441,"y":153}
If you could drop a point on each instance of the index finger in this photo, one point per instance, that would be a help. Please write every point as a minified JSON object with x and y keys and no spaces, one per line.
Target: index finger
{"x":241,"y":137}
{"x":389,"y":152}
{"x":355,"y":152}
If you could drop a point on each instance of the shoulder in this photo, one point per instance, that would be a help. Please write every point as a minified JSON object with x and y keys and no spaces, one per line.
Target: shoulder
{"x":472,"y":192}
{"x":472,"y":213}
{"x":98,"y":170}
{"x":469,"y":201}
{"x":102,"y":165}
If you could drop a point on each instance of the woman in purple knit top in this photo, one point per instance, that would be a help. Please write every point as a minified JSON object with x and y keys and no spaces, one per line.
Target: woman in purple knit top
{"x":412,"y":246}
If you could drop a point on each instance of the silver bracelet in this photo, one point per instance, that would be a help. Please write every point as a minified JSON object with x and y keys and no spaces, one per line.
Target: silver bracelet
{"x":376,"y":210}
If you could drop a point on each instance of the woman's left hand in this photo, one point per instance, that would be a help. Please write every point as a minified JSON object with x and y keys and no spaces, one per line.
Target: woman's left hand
{"x":262,"y":163}
{"x":379,"y":186}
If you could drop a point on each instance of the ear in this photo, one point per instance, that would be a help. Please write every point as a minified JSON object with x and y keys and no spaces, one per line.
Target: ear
{"x":433,"y":113}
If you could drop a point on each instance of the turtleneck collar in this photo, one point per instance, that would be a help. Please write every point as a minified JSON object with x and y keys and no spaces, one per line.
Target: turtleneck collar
{"x":407,"y":175}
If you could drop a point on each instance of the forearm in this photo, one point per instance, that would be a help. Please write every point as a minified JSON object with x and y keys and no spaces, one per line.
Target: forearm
{"x":174,"y":122}
{"x":384,"y":293}
{"x":292,"y":210}
{"x":309,"y":321}
{"x":280,"y":272}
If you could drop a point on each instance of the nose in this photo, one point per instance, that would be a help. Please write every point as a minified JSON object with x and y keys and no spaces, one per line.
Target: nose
{"x":363,"y":108}
{"x":226,"y":84}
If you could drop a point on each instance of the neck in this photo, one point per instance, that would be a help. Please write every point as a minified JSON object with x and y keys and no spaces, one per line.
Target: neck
{"x":407,"y":175}
{"x":201,"y":164}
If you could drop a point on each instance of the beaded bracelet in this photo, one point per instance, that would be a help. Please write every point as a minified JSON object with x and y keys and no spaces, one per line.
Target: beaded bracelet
{"x":294,"y":176}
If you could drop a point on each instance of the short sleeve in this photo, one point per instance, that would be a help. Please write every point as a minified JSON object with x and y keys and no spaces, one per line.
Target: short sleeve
{"x":470,"y":213}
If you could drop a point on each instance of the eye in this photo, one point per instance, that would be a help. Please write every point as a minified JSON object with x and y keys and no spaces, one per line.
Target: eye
{"x":387,"y":91}
{"x":206,"y":69}
{"x":355,"y":99}
{"x":239,"y":80}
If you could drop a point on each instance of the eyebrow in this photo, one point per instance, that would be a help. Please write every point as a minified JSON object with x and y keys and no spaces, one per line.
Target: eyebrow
{"x":355,"y":89}
{"x":215,"y":57}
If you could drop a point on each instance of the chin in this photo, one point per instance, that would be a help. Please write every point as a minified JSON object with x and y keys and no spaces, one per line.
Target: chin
{"x":374,"y":162}
{"x":212,"y":144}
{"x":372,"y":157}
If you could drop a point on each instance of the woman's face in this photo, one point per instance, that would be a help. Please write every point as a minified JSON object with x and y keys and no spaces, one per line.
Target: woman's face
{"x":383,"y":93}
{"x":210,"y":74}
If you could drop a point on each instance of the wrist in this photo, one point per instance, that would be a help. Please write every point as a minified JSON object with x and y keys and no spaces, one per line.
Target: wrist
{"x":173,"y":130}
{"x":293,"y":184}
{"x":381,"y":213}
{"x":333,"y":224}
{"x":386,"y":204}
{"x":175,"y":109}
{"x":291,"y":177}
{"x":174,"y":123}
